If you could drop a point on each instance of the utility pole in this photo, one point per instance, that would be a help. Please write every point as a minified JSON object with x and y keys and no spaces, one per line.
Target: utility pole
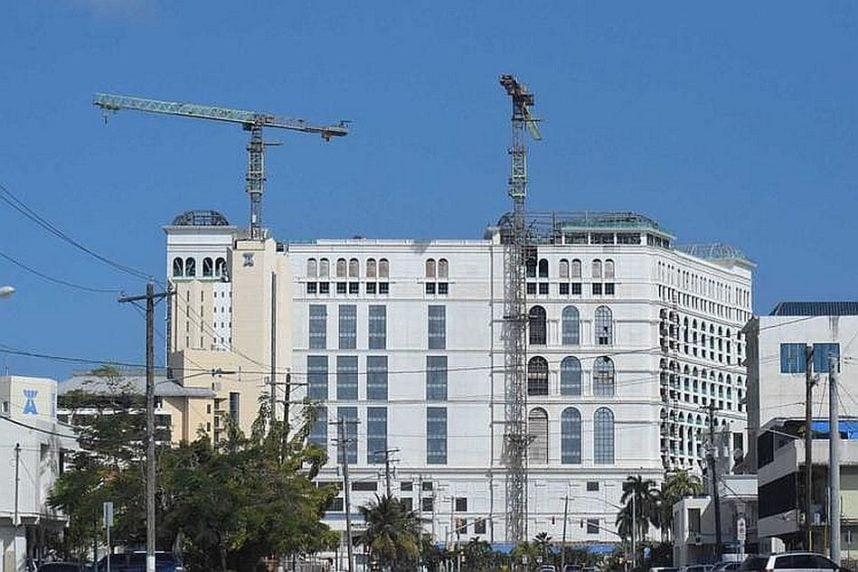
{"x":634,"y":527}
{"x":342,"y":443}
{"x":563,"y":544}
{"x":716,"y":497}
{"x":150,"y":298}
{"x":387,"y":471}
{"x":15,"y":521}
{"x":808,"y":444}
{"x":834,"y":458}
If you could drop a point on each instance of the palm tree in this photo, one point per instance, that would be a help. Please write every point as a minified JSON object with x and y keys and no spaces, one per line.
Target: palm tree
{"x":678,"y":486}
{"x":392,"y":534}
{"x":542,"y":543}
{"x":646,"y":506}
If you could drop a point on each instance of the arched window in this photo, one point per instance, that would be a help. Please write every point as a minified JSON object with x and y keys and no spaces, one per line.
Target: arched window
{"x":371,"y":268}
{"x":575,"y":270}
{"x":537,"y":429}
{"x":220,"y":267}
{"x":609,"y":269}
{"x":597,"y":268}
{"x":536,"y":325}
{"x":208,"y":267}
{"x":543,"y":268}
{"x":354,"y":268}
{"x":324,"y":268}
{"x":383,"y":268}
{"x":604,"y":326}
{"x":530,"y":268}
{"x":537,"y":376}
{"x":564,"y":268}
{"x":443,"y":268}
{"x":430,"y":268}
{"x":603,"y":436}
{"x":571,"y":326}
{"x":190,"y":267}
{"x":603,"y":376}
{"x":178,"y":267}
{"x":570,"y":376}
{"x":341,"y":268}
{"x":570,"y":436}
{"x":312,"y":268}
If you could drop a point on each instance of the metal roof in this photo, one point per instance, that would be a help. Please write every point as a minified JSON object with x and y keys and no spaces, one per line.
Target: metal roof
{"x":713,"y":251}
{"x":134,"y":384}
{"x":200,"y":218}
{"x":832,"y":308}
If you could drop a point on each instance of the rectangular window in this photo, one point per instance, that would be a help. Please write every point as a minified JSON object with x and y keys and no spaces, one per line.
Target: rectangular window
{"x":370,"y":287}
{"x":354,"y":287}
{"x":407,"y":503}
{"x":597,"y":288}
{"x":592,"y":486}
{"x":436,"y":378}
{"x":564,"y":288}
{"x":377,"y":327}
{"x":376,"y":378}
{"x":406,"y":486}
{"x":461,"y":504}
{"x":317,"y":378}
{"x":234,"y":405}
{"x":792,"y":358}
{"x":531,"y":288}
{"x":319,"y":431}
{"x":437,"y":327}
{"x":576,"y":288}
{"x":543,"y":288}
{"x":348,"y":326}
{"x":341,"y":287}
{"x":324,"y":287}
{"x":592,"y":526}
{"x":820,"y":356}
{"x":311,"y":288}
{"x":436,"y":435}
{"x":427,"y":504}
{"x":427,"y":486}
{"x":347,"y":377}
{"x":318,"y":326}
{"x":365,"y":486}
{"x":376,"y":434}
{"x":609,"y":288}
{"x":480,"y":526}
{"x":443,"y":288}
{"x":349,"y":417}
{"x":337,"y":505}
{"x":430,"y":287}
{"x":383,"y":287}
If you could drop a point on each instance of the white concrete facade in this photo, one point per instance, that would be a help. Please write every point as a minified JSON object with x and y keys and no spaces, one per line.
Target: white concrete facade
{"x":32,"y":448}
{"x":661,"y":323}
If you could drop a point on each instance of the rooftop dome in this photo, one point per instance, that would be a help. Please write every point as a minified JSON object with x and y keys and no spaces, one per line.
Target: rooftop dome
{"x":200,"y":218}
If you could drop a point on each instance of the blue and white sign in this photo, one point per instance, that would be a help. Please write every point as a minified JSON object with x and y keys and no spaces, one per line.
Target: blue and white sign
{"x":30,"y":404}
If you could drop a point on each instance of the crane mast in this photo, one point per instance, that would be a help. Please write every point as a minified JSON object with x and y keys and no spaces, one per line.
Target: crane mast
{"x":514,"y":235}
{"x":252,"y":121}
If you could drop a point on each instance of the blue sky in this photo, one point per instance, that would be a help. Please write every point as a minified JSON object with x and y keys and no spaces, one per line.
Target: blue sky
{"x":730,"y":121}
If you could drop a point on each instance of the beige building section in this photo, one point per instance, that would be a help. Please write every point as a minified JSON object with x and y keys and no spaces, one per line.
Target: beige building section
{"x":233,"y":346}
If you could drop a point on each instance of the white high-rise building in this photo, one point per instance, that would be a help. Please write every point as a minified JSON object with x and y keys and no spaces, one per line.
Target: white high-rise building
{"x":630,"y":339}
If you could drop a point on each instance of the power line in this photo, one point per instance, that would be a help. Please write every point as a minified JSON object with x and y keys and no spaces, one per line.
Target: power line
{"x":56,"y":280}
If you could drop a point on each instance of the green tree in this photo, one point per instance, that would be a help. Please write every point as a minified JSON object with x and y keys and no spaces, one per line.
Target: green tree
{"x":542,"y":544}
{"x":392,"y":534}
{"x":646,"y":507}
{"x":676,"y":487}
{"x":478,"y":556}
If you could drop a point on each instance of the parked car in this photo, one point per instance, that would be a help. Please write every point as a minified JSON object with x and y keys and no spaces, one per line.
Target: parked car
{"x":136,"y":562}
{"x":799,"y":562}
{"x":730,"y":566}
{"x":63,"y":567}
{"x":572,"y":568}
{"x":697,"y":568}
{"x":547,"y":568}
{"x":753,"y":563}
{"x":664,"y":569}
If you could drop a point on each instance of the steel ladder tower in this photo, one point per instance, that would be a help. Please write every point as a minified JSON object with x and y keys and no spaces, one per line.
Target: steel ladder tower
{"x":514,"y":237}
{"x":252,"y":121}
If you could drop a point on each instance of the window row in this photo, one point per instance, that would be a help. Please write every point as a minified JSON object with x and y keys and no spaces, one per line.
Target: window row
{"x":376,"y":374}
{"x":348,"y":287}
{"x":697,"y":284}
{"x":569,"y":269}
{"x":347,"y":327}
{"x":793,"y":358}
{"x":350,"y":268}
{"x":603,"y":377}
{"x":571,"y":436}
{"x":187,"y":267}
{"x":439,"y":269}
{"x":603,"y":332}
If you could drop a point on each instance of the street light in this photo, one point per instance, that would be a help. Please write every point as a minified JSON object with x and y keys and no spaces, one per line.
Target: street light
{"x":6,"y":291}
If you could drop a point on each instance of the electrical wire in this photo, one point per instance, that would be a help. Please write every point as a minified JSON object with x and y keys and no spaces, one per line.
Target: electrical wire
{"x":57,"y":280}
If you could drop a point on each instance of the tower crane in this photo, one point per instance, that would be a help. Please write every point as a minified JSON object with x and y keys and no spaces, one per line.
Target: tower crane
{"x":252,"y":121}
{"x":514,"y":234}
